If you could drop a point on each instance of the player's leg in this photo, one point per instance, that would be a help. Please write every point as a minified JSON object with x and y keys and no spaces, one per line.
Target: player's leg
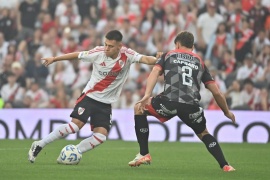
{"x":80,"y":115}
{"x":98,"y":137}
{"x":60,"y":132}
{"x":100,"y":124}
{"x":214,"y":148}
{"x":193,"y":116}
{"x":141,"y":126}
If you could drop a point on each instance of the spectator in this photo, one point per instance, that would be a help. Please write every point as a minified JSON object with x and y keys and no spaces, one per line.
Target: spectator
{"x":258,"y":14}
{"x":128,"y":31}
{"x":27,"y":15}
{"x":233,"y":95}
{"x":187,"y":19}
{"x":242,"y":42}
{"x":249,"y":96}
{"x":18,"y":70}
{"x":47,"y":23}
{"x":7,"y":24}
{"x":39,"y":97}
{"x":227,"y":64}
{"x":69,"y":18}
{"x":259,"y":42}
{"x":221,"y":41}
{"x":235,"y":19}
{"x":264,"y":56}
{"x":204,"y":31}
{"x":35,"y":71}
{"x":249,"y":70}
{"x":12,"y":91}
{"x":59,"y":100}
{"x":3,"y":48}
{"x":60,"y":77}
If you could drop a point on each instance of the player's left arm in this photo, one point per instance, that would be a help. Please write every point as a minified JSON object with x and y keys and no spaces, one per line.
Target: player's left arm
{"x":150,"y":60}
{"x":152,"y":80}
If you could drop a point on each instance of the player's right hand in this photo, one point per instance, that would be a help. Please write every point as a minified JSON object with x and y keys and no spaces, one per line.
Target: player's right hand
{"x":231,"y":116}
{"x":159,"y":54}
{"x":143,"y":102}
{"x":47,"y":61}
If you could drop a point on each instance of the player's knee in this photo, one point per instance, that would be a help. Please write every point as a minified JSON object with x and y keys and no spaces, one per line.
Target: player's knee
{"x":137,"y":110}
{"x":202,"y":134}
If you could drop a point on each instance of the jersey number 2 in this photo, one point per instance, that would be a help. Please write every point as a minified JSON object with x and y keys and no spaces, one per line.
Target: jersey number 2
{"x":186,"y":75}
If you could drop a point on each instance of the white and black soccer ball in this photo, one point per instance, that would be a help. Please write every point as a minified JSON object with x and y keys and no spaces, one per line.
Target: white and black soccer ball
{"x":69,"y":155}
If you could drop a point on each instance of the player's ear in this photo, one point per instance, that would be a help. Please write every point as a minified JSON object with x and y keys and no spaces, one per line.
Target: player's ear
{"x":120,"y":44}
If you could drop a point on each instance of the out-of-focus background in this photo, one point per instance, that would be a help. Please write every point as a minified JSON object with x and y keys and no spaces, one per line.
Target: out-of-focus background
{"x":231,"y":36}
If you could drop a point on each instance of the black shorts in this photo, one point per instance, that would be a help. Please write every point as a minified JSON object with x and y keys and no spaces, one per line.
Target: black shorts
{"x":191,"y":115}
{"x":100,"y":114}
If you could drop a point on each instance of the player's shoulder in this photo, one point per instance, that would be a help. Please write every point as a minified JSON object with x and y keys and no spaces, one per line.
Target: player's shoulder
{"x":127,"y":51}
{"x":97,"y":49}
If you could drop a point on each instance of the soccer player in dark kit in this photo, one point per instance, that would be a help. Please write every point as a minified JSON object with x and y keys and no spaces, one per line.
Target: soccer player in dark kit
{"x":183,"y":73}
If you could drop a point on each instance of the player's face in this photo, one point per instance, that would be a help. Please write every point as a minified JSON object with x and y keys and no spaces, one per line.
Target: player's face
{"x":112,"y":48}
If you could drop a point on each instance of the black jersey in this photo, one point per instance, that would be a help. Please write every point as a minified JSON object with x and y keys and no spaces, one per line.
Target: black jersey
{"x":183,"y":73}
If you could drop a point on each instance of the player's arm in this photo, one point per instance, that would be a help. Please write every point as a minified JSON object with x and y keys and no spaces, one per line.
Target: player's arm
{"x":152,"y":80}
{"x":69,"y":56}
{"x":221,"y":101}
{"x":150,"y":60}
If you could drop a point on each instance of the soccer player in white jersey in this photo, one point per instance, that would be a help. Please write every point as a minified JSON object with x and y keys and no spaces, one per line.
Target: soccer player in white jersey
{"x":111,"y":64}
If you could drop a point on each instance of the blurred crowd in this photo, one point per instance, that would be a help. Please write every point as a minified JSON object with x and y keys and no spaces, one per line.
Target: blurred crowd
{"x":231,"y":36}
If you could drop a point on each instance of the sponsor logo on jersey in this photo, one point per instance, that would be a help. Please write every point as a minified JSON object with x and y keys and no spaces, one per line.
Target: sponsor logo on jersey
{"x":110,"y":73}
{"x":102,"y":64}
{"x":80,"y":110}
{"x":194,"y":66}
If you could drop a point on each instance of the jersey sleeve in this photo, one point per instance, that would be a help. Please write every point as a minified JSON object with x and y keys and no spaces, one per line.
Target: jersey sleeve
{"x":161,"y":62}
{"x":91,"y":55}
{"x":207,"y":77}
{"x":133,"y":56}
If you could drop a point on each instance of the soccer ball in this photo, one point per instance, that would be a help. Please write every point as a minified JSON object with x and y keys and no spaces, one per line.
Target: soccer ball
{"x":69,"y":155}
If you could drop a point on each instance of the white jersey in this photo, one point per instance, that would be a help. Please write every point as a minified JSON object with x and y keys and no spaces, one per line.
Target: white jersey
{"x":108,"y":75}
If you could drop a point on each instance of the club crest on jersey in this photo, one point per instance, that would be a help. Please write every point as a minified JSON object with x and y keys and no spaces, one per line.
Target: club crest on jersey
{"x":80,"y":110}
{"x":121,"y":63}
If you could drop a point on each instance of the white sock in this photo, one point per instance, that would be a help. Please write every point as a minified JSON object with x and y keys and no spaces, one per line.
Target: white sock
{"x":91,"y":142}
{"x":60,"y":132}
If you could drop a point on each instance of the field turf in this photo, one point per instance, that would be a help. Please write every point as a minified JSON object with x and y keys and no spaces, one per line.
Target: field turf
{"x":109,"y":161}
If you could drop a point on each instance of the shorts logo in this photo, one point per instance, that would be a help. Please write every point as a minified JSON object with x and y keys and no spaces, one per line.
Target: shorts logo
{"x":81,"y":110}
{"x":212,"y":144}
{"x":144,"y":130}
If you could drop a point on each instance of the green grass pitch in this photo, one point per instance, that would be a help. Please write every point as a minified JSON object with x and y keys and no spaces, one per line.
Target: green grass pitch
{"x":109,"y":161}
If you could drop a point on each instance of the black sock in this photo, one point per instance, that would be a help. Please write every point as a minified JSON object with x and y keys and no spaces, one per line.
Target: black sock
{"x":142,"y":133}
{"x":214,"y":148}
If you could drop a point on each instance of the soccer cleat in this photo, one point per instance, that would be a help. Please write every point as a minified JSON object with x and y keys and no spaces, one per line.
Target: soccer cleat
{"x":140,"y":159}
{"x":33,"y":151}
{"x":228,"y":168}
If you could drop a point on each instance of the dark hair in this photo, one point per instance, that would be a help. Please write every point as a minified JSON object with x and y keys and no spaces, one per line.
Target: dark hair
{"x":185,"y":38}
{"x":114,"y":35}
{"x":248,"y":81}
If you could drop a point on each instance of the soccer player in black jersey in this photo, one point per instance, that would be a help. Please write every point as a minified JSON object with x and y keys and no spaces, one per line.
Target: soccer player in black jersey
{"x":183,"y":72}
